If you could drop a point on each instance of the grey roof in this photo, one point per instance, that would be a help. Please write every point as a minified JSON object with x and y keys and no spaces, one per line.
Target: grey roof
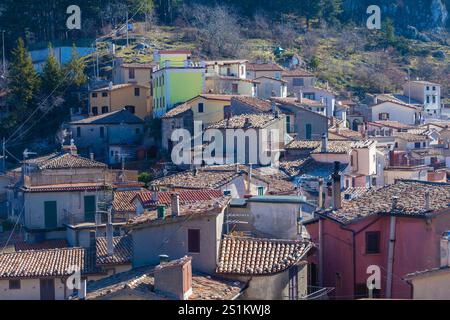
{"x":115,"y":117}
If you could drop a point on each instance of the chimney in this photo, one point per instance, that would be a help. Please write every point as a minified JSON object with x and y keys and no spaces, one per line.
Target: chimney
{"x":175,"y":204}
{"x":237,"y":167}
{"x":322,"y":100}
{"x":274,"y":107}
{"x":110,"y":86}
{"x":427,"y":201}
{"x":249,"y":179}
{"x":174,"y":279}
{"x":321,"y":202}
{"x":155,"y":197}
{"x":445,"y":250}
{"x":247,"y":122}
{"x":324,"y":143}
{"x":91,"y":155}
{"x":109,"y":236}
{"x":83,"y":289}
{"x":337,"y":200}
{"x":300,"y":96}
{"x":163,"y":259}
{"x":394,"y":202}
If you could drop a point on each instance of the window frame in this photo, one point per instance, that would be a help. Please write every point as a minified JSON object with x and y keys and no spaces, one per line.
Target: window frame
{"x":18,"y":285}
{"x":378,"y":249}
{"x":194,"y":248}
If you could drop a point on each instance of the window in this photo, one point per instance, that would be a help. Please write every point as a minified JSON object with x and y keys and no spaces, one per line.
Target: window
{"x":104,"y":94}
{"x":137,"y":92}
{"x":298,"y":82}
{"x":227,"y":192}
{"x":78,"y":132}
{"x":234,"y":88}
{"x":193,"y":240}
{"x":260,"y":191}
{"x":372,"y":242}
{"x":131,"y":74}
{"x":102,"y":132}
{"x":131,"y":109}
{"x":417,"y":145}
{"x":94,"y":95}
{"x":242,"y":70}
{"x":428,"y":87}
{"x":138,"y":131}
{"x":428,"y":99}
{"x":434,"y":88}
{"x":434,"y":99}
{"x":200,"y":108}
{"x":424,"y":144}
{"x":14,"y":284}
{"x":105,"y":109}
{"x":95,"y":111}
{"x":383,"y":116}
{"x":309,"y":95}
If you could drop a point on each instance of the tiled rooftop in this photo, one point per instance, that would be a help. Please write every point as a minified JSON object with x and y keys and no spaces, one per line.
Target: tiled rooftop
{"x":187,"y":210}
{"x":123,"y":200}
{"x":204,"y":178}
{"x":253,"y":256}
{"x":177,"y":110}
{"x":297,"y":73}
{"x":46,"y":263}
{"x":64,"y":161}
{"x":115,"y":117}
{"x":295,"y":101}
{"x":263,"y":67}
{"x":85,"y":186}
{"x":411,"y":201}
{"x":340,"y":134}
{"x":294,"y":167}
{"x":315,"y":146}
{"x":411,"y":137}
{"x":259,"y":104}
{"x":141,"y":280}
{"x":392,"y":124}
{"x":256,"y":121}
{"x":186,"y":196}
{"x":122,"y":253}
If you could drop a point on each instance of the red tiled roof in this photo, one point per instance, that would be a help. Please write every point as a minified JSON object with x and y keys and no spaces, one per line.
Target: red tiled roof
{"x":259,"y":104}
{"x":297,"y":73}
{"x":254,"y":256}
{"x":122,"y":253}
{"x":123,"y":200}
{"x":65,"y":187}
{"x":64,"y":161}
{"x":263,"y":67}
{"x":190,"y":196}
{"x":46,"y":263}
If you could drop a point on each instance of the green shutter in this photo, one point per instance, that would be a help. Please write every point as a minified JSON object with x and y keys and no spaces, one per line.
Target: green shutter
{"x":89,"y":208}
{"x":51,"y":221}
{"x":308,"y":131}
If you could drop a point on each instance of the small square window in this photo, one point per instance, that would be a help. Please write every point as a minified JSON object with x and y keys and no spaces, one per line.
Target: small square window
{"x":137,"y":92}
{"x":372,"y":242}
{"x":14,"y":284}
{"x":94,"y":95}
{"x":104,"y":94}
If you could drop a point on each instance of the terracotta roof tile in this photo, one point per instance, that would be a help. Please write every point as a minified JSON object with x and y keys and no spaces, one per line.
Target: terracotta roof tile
{"x":253,"y":256}
{"x":297,"y":73}
{"x":141,"y":279}
{"x":122,"y":253}
{"x":238,"y":122}
{"x":48,"y":244}
{"x":259,"y":104}
{"x":411,"y":201}
{"x":123,"y":200}
{"x":263,"y":67}
{"x":46,"y":263}
{"x":64,"y":161}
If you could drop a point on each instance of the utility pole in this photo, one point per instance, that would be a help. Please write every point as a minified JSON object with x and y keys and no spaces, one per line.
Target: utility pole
{"x":4,"y":54}
{"x":127,"y":30}
{"x":4,"y":155}
{"x":96,"y":49}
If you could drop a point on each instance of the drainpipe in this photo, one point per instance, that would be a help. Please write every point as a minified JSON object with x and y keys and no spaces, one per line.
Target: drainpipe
{"x":390,"y":265}
{"x":321,"y":252}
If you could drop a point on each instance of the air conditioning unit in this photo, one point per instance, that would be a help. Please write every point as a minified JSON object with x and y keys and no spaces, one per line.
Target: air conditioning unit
{"x":445,"y":250}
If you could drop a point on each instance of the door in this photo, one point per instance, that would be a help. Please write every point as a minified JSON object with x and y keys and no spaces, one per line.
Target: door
{"x":308,"y":131}
{"x":89,"y":208}
{"x":50,"y":215}
{"x":47,"y":288}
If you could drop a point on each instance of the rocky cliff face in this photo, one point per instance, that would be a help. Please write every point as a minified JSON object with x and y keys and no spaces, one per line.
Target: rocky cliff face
{"x":421,"y":14}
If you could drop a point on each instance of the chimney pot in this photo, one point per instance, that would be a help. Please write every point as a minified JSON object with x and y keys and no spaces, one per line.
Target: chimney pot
{"x":163,"y":259}
{"x":324,"y":143}
{"x":427,"y":201}
{"x":109,"y":236}
{"x":175,"y":204}
{"x":394,"y":202}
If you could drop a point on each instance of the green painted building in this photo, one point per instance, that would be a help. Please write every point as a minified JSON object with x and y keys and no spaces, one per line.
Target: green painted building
{"x":176,"y":80}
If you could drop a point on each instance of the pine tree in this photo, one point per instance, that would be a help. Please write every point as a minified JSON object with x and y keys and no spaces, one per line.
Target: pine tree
{"x":76,"y":66}
{"x":23,"y":80}
{"x":331,"y":10}
{"x":52,"y":76}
